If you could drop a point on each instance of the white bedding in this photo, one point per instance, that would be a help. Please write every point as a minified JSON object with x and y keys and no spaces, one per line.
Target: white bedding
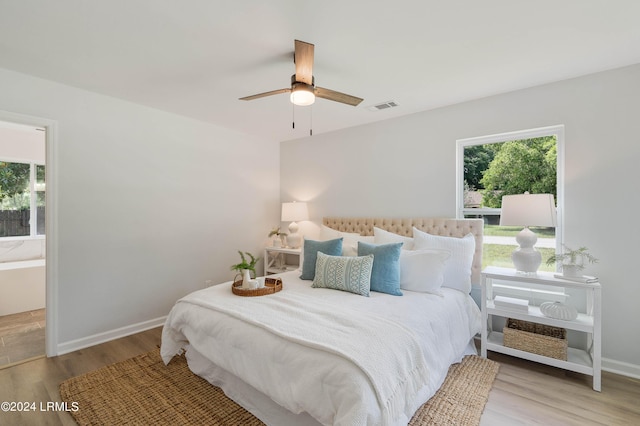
{"x":331,"y":386}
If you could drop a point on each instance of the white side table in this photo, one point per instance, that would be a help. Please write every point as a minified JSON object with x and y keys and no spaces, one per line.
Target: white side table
{"x":578,"y":360}
{"x":279,"y":259}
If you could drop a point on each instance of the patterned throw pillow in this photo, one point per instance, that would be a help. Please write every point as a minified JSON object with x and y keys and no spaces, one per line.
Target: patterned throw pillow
{"x":346,"y":273}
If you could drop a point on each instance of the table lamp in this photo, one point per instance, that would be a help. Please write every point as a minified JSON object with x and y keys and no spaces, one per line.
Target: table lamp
{"x":293,"y":212}
{"x":527,"y":210}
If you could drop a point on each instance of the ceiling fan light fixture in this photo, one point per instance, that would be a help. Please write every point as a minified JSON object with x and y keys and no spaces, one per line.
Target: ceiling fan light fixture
{"x":303,"y":89}
{"x":302,"y":94}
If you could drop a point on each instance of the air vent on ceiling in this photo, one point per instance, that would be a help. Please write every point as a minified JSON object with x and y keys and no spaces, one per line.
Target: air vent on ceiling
{"x":384,"y":105}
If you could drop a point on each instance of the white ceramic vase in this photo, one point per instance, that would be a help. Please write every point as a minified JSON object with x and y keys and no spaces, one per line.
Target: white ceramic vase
{"x":571,"y":270}
{"x":246,"y":277}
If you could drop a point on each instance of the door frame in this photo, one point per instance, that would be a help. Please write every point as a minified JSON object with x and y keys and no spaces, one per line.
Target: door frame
{"x":51,"y":221}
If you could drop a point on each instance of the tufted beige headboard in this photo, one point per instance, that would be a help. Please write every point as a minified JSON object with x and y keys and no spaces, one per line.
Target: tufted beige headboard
{"x":435,"y":226}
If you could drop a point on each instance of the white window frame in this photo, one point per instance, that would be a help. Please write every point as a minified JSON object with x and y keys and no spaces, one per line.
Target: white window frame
{"x":33,"y":200}
{"x":546,"y":292}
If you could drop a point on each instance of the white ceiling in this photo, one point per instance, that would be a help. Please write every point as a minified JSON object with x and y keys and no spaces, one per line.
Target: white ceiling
{"x":197,"y":57}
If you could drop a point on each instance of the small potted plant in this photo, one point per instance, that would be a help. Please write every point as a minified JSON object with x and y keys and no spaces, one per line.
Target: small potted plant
{"x":279,"y":240}
{"x":246,"y":268}
{"x":572,"y":261}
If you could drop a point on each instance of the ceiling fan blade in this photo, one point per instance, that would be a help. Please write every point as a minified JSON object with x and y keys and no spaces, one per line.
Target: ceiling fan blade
{"x":332,"y":95}
{"x":303,"y":58}
{"x":262,"y":95}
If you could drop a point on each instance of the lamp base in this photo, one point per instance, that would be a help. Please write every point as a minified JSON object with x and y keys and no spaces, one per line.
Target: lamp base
{"x":294,"y":240}
{"x":526,"y":259}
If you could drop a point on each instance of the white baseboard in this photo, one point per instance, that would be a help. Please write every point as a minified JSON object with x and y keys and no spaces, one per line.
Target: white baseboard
{"x":621,"y":368}
{"x":106,"y":336}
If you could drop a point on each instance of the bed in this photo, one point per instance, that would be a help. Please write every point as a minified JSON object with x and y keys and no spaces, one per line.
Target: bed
{"x":309,"y":355}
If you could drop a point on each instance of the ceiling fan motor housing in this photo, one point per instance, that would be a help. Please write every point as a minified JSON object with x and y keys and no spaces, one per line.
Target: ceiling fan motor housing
{"x":293,"y":81}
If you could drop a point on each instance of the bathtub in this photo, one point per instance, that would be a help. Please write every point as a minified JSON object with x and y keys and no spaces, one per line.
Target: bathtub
{"x":22,"y":286}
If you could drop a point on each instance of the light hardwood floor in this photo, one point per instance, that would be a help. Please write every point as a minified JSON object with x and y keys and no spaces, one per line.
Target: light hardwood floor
{"x":524,"y":393}
{"x":528,"y":393}
{"x":37,"y":381}
{"x":21,"y":336}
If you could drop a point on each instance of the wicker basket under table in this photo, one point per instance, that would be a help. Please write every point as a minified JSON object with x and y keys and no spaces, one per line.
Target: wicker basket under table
{"x":536,"y":338}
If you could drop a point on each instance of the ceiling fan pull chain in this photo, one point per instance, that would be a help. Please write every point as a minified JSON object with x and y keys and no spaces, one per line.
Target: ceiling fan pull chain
{"x":311,"y":121}
{"x":293,"y":115}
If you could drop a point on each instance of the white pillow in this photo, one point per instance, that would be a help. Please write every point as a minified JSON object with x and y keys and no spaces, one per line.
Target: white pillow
{"x":380,"y":236}
{"x":423,"y":270}
{"x":349,"y":239}
{"x":457,"y":272}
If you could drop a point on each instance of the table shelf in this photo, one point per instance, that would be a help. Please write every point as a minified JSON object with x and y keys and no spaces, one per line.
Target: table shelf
{"x":578,"y":360}
{"x":583,"y":323}
{"x":281,"y":259}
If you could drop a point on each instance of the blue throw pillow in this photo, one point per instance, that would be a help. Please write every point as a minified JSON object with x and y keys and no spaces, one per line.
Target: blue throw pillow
{"x":385,"y":275}
{"x":346,"y":273}
{"x":310,"y":253}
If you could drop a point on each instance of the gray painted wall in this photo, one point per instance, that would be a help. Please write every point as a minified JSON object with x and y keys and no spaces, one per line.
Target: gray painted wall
{"x":150,"y":204}
{"x":406,"y":167}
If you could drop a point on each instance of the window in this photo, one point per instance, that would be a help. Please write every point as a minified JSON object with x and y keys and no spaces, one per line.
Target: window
{"x":510,"y":163}
{"x":22,"y":199}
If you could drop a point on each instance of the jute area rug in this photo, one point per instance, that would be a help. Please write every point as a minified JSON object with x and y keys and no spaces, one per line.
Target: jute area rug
{"x":143,"y":391}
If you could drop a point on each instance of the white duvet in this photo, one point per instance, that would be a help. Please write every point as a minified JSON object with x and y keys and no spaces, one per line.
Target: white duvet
{"x":287,"y":346}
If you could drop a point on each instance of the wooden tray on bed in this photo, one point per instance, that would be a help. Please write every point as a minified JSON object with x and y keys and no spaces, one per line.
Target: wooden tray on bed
{"x":271,"y":285}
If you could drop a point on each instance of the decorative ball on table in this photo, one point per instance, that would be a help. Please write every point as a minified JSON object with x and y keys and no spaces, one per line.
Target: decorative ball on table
{"x":558,"y":310}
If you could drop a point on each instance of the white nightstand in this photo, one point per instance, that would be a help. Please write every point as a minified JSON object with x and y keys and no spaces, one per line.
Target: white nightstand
{"x":581,"y":361}
{"x":278,"y":259}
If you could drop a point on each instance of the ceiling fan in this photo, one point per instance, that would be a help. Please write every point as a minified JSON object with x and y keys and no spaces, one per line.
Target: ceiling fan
{"x":303,"y":89}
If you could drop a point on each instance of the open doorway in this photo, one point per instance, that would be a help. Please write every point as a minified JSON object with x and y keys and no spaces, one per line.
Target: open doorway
{"x":22,"y":242}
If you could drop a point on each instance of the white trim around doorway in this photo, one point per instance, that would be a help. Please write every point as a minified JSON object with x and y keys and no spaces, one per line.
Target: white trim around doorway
{"x":51,"y":219}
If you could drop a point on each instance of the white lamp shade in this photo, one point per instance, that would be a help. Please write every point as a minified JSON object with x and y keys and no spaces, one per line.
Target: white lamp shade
{"x":293,"y":212}
{"x":528,"y":210}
